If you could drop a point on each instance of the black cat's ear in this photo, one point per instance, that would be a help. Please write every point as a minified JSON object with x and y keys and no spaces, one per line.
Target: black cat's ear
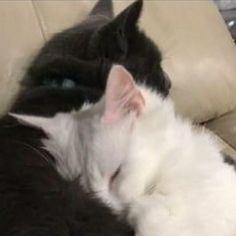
{"x":127,"y":20}
{"x":104,"y":8}
{"x":113,"y":38}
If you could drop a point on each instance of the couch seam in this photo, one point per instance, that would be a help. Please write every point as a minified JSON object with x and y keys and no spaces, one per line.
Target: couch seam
{"x":39,"y":20}
{"x":223,"y":139}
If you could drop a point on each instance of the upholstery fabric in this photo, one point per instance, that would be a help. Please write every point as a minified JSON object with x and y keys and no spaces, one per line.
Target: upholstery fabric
{"x":20,"y":37}
{"x":225,"y":128}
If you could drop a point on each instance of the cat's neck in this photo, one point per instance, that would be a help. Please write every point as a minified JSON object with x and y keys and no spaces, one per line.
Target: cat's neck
{"x":63,"y":146}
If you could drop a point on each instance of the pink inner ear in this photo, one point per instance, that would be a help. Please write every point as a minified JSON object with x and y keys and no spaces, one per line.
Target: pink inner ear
{"x":122,"y":95}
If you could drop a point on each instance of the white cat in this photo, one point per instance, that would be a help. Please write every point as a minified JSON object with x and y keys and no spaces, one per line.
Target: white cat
{"x":139,"y":157}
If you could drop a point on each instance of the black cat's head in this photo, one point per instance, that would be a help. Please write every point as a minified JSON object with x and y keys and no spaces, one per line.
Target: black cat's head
{"x":86,"y":52}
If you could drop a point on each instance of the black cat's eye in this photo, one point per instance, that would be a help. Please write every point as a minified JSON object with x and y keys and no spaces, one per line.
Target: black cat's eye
{"x":63,"y":83}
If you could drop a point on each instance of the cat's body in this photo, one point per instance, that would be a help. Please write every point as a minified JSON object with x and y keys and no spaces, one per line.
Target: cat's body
{"x":137,"y":156}
{"x":175,"y":181}
{"x":34,"y":199}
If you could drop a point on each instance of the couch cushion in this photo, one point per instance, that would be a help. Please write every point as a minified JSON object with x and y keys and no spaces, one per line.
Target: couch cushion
{"x":56,"y":15}
{"x":199,"y":55}
{"x":225,"y":128}
{"x":20,"y":36}
{"x":223,"y":144}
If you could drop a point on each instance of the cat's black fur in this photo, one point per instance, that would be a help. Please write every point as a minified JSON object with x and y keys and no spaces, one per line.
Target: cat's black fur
{"x":85,"y":52}
{"x":34,"y":200}
{"x":229,"y":160}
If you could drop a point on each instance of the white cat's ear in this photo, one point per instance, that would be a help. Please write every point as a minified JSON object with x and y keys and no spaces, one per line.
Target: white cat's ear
{"x":34,"y":121}
{"x":121,"y":95}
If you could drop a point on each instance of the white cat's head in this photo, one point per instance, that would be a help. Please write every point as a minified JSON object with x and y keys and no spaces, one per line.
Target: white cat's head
{"x":94,"y":141}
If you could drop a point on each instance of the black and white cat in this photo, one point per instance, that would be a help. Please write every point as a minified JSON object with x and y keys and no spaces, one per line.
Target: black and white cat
{"x":34,"y":199}
{"x":139,"y":157}
{"x":82,"y":56}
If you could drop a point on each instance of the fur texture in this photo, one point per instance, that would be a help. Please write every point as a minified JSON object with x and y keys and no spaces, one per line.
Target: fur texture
{"x":38,"y":201}
{"x":82,"y":55}
{"x":169,"y":178}
{"x":85,"y":53}
{"x":35,"y":200}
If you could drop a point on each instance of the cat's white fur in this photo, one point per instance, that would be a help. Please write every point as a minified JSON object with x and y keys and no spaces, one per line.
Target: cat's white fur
{"x":172,"y":179}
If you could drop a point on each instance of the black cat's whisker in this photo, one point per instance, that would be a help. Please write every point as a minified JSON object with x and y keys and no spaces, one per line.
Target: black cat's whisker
{"x":44,"y":156}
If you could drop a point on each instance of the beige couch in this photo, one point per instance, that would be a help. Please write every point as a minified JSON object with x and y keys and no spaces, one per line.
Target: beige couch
{"x":25,"y":25}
